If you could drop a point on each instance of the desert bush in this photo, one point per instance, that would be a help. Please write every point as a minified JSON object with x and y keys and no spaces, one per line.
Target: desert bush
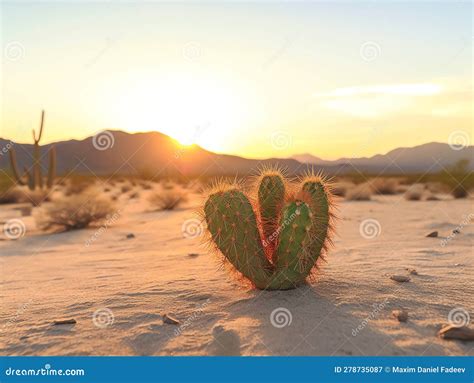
{"x":11,"y":195}
{"x":432,"y":197}
{"x":125,"y":188}
{"x":76,"y":187}
{"x":340,"y":188}
{"x":134,"y":195}
{"x":168,"y":185}
{"x":146,"y":186}
{"x":459,"y":178}
{"x":75,"y":212}
{"x":384,"y":185}
{"x":401,"y":189}
{"x":415,"y":192}
{"x":360,"y":192}
{"x":167,"y":199}
{"x":21,"y":194}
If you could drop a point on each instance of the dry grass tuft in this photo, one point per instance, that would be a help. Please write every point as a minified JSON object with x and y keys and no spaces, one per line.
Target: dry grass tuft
{"x":125,"y":188}
{"x":76,"y":187}
{"x":415,"y":192}
{"x":341,"y":188}
{"x":146,"y":185}
{"x":21,"y":194}
{"x":167,"y":199}
{"x":385,"y":186}
{"x":134,"y":195}
{"x":360,"y":192}
{"x":11,"y":195}
{"x":459,"y":191}
{"x":75,"y":212}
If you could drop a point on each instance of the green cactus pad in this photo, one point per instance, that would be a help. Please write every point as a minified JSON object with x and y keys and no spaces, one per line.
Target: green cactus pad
{"x":320,"y":204}
{"x":232,"y":223}
{"x":290,"y":254}
{"x":271,"y":195}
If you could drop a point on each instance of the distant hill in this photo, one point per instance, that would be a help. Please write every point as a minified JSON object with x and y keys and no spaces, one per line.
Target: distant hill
{"x":429,"y":157}
{"x":159,"y":155}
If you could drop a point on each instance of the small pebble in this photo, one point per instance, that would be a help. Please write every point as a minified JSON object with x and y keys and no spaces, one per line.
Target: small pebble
{"x":456,"y":231}
{"x":453,"y":332}
{"x":66,"y":321}
{"x":412,"y":271}
{"x":193,"y":255}
{"x":130,"y":236}
{"x":433,"y":234}
{"x":169,"y":319}
{"x":400,"y":278}
{"x":401,"y":315}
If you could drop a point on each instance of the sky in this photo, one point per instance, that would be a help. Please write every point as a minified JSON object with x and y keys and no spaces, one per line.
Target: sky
{"x":257,"y":79}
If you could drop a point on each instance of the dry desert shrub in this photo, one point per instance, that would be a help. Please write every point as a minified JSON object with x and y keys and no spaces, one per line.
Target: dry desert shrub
{"x":125,"y":188}
{"x":415,"y":192}
{"x":11,"y":195}
{"x":432,"y":197}
{"x":134,"y":195}
{"x":401,"y":189}
{"x":21,"y":194}
{"x":167,"y":185}
{"x":360,"y":192}
{"x":167,"y":199}
{"x":340,"y":188}
{"x":75,"y":212}
{"x":146,"y":185}
{"x":76,"y":187}
{"x":386,"y":186}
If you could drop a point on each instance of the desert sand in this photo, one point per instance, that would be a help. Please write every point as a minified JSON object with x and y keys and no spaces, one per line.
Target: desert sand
{"x":117,"y":289}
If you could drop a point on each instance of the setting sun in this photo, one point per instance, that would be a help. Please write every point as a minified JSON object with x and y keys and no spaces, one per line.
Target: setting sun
{"x":191,"y":108}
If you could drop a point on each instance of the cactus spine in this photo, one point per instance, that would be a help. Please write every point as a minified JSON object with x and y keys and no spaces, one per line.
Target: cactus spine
{"x":277,"y":248}
{"x":34,"y":178}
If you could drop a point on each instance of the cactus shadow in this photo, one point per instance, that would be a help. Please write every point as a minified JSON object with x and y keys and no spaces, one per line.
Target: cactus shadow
{"x":305,"y":321}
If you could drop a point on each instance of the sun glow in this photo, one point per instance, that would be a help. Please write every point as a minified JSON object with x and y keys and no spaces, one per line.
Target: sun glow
{"x":191,"y":109}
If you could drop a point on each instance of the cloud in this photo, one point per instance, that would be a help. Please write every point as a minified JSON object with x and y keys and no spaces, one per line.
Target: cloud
{"x":380,"y":100}
{"x":420,"y":89}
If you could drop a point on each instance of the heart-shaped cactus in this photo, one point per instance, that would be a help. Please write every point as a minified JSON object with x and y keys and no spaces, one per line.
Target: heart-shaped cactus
{"x":275,"y":239}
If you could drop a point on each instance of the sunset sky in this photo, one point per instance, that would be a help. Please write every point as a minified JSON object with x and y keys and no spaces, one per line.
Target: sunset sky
{"x":255,"y":79}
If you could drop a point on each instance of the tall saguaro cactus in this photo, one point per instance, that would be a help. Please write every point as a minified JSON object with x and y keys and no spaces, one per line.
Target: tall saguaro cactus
{"x":275,"y":241}
{"x":33,"y":177}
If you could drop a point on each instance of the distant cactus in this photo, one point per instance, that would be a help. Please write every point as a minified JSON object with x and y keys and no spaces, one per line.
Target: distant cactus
{"x":34,"y":178}
{"x":276,"y":241}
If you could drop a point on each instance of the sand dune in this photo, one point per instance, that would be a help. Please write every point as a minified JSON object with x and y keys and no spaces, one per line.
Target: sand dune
{"x":118,"y":288}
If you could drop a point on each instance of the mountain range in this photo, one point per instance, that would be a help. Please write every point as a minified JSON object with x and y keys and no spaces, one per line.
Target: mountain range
{"x":156,"y":154}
